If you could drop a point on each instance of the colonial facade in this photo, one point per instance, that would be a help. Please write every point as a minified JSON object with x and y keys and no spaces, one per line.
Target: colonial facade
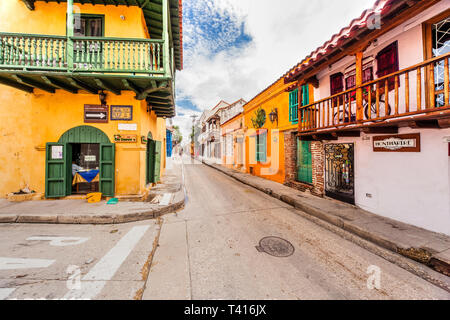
{"x":86,"y":87}
{"x":376,"y":133}
{"x":213,"y":144}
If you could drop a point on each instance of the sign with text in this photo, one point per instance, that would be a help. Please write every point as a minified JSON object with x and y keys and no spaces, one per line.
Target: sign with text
{"x":124,"y":113}
{"x":95,"y":113}
{"x":125,"y":138}
{"x":397,"y":143}
{"x":127,"y":126}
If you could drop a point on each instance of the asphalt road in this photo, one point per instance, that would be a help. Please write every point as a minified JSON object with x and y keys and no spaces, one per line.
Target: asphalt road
{"x":205,"y":251}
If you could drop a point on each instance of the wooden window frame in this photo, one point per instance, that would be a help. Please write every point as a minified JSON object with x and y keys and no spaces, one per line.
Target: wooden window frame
{"x":428,"y":45}
{"x":293,"y":106}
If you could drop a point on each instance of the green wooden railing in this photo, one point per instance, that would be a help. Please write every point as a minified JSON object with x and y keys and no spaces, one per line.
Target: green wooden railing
{"x":89,"y":54}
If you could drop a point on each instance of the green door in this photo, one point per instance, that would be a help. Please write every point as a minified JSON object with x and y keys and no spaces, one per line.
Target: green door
{"x":150,"y":161}
{"x":157,"y":161}
{"x":304,"y":161}
{"x":58,"y":170}
{"x":107,"y":169}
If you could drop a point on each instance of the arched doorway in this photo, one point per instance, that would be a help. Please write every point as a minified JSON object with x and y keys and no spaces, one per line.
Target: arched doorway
{"x":153,"y":162}
{"x":92,"y":153}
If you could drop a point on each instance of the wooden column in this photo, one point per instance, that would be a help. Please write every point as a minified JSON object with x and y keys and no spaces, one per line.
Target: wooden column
{"x":359,"y":92}
{"x":69,"y":50}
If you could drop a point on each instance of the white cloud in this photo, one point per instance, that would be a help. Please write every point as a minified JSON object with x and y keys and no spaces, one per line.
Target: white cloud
{"x":282,"y":33}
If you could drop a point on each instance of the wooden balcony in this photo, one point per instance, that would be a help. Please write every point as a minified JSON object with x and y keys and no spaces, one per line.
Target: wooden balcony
{"x":91,"y":64}
{"x":417,"y":96}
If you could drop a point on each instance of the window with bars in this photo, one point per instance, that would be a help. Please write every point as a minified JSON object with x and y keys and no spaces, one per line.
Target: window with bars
{"x":261,"y":147}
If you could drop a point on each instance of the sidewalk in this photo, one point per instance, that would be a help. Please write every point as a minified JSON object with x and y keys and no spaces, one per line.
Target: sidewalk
{"x":167,"y":196}
{"x":427,"y":247}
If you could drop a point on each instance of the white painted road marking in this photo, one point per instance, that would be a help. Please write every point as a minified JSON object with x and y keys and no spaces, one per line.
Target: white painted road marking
{"x":94,"y":281}
{"x":18,"y":263}
{"x":6,"y":292}
{"x":60,"y":241}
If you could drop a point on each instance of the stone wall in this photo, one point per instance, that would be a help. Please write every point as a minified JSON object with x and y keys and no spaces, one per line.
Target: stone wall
{"x":290,"y":162}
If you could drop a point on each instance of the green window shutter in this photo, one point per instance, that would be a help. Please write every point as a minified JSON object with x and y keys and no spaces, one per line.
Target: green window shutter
{"x":304,"y":161}
{"x":58,"y":170}
{"x":305,"y":95}
{"x":293,"y":106}
{"x":150,"y":164}
{"x":261,"y":147}
{"x":157,"y":161}
{"x":107,"y":169}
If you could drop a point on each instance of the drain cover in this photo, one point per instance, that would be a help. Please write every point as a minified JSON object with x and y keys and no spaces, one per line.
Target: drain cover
{"x":276,"y":247}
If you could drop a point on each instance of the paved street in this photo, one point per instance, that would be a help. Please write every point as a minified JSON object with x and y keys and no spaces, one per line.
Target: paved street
{"x":205,"y":251}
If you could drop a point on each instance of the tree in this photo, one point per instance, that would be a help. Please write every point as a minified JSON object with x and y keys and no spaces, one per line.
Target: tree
{"x":177,"y":136}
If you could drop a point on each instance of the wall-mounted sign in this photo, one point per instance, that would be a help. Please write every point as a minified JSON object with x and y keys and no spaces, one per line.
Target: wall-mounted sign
{"x":397,"y":143}
{"x":95,"y":113}
{"x":124,"y":113}
{"x":125,"y":138}
{"x":90,"y":158}
{"x":57,"y":152}
{"x":128,"y":126}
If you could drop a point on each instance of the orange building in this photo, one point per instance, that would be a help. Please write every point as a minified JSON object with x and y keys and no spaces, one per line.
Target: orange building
{"x":234,"y":143}
{"x":271,"y":124}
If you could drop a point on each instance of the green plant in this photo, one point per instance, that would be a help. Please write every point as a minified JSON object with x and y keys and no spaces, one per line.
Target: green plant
{"x":260,"y":118}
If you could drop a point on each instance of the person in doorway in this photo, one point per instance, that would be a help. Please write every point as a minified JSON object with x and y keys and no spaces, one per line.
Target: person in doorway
{"x":75,"y":168}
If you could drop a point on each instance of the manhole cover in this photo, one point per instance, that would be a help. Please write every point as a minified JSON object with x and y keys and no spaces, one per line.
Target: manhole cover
{"x":276,"y":247}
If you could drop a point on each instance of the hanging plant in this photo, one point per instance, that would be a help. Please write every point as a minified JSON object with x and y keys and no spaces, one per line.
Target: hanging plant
{"x":260,"y":118}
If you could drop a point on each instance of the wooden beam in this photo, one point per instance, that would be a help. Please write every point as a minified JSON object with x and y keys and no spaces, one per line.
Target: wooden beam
{"x":424,"y":124}
{"x":29,"y":4}
{"x":159,"y":94}
{"x":107,"y":86}
{"x":355,"y":133}
{"x":444,"y":123}
{"x":131,"y":86}
{"x":324,"y":136}
{"x":82,"y":85}
{"x":158,"y":100}
{"x":16,"y":85}
{"x":33,"y":83}
{"x":371,"y":130}
{"x":152,"y":89}
{"x":59,"y":84}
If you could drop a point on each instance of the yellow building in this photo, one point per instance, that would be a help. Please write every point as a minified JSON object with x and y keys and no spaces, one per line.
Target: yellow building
{"x":271,"y":124}
{"x":85,"y":90}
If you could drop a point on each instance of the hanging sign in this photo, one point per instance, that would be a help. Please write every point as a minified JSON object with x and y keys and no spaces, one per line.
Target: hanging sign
{"x":125,"y":138}
{"x":397,"y":143}
{"x":144,"y":140}
{"x":124,"y":113}
{"x":95,"y":113}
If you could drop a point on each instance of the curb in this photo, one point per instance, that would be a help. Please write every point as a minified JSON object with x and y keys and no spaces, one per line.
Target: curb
{"x":396,"y":255}
{"x":113,"y":218}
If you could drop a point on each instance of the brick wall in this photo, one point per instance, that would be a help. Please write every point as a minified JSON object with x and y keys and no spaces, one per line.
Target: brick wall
{"x":290,"y":162}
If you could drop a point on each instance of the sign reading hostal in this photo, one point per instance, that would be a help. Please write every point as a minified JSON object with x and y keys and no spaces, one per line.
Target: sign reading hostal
{"x":95,"y":113}
{"x":125,"y":138}
{"x":397,"y":143}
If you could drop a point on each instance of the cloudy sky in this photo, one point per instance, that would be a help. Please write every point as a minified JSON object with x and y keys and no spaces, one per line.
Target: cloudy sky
{"x":236,"y":48}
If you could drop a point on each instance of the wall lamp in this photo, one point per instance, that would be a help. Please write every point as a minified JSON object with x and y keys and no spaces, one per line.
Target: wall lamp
{"x":274,"y":115}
